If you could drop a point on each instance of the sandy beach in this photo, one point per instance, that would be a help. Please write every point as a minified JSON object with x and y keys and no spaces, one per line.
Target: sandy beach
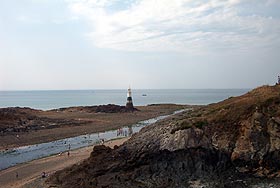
{"x":29,"y":174}
{"x":29,"y":126}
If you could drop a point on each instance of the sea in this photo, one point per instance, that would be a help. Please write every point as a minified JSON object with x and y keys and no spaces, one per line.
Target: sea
{"x":53,"y":99}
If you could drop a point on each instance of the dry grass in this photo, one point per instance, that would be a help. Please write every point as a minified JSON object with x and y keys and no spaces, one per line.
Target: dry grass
{"x":231,"y":111}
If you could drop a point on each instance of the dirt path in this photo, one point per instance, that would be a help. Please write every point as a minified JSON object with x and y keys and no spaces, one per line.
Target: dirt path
{"x":31,"y":171}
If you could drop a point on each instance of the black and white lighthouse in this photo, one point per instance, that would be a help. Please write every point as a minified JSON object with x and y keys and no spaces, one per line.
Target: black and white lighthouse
{"x":129,"y":104}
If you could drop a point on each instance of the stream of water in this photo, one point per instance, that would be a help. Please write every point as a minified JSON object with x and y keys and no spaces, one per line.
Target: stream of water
{"x":24,"y":154}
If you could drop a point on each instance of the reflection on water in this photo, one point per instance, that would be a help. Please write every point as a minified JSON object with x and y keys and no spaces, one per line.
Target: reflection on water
{"x":125,"y":132}
{"x":23,"y":154}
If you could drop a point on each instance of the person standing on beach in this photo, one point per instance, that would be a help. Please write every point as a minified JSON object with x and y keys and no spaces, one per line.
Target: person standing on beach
{"x":43,"y":175}
{"x":17,"y":175}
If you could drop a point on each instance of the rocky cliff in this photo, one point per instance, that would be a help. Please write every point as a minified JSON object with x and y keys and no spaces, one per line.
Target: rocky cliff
{"x":233,"y":143}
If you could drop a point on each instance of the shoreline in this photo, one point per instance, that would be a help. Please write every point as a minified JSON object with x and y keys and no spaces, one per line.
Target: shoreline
{"x":74,"y":123}
{"x":37,"y":151}
{"x":30,"y":171}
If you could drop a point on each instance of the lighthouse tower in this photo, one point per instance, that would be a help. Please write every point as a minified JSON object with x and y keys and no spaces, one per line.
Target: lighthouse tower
{"x":129,"y":103}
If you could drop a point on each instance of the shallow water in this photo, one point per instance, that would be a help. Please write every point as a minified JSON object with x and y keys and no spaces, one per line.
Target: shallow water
{"x":23,"y":154}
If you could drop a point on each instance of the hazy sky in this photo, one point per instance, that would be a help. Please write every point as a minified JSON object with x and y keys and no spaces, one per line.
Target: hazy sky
{"x":109,"y":44}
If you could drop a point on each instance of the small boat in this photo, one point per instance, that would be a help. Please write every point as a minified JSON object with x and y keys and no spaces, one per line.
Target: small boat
{"x":144,"y":95}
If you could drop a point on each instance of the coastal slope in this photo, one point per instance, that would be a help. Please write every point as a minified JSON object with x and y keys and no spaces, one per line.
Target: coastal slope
{"x":233,"y":143}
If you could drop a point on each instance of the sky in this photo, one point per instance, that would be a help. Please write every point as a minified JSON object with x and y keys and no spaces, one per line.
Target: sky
{"x":152,"y":44}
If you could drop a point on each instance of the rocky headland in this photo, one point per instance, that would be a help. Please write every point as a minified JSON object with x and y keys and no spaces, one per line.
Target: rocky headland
{"x":109,"y":108}
{"x":233,"y":143}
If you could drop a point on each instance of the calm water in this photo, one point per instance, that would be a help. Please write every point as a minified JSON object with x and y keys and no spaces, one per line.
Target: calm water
{"x":23,"y":154}
{"x":57,"y":99}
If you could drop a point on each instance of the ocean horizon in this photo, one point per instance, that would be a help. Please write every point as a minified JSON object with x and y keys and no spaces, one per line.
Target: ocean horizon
{"x":52,"y":99}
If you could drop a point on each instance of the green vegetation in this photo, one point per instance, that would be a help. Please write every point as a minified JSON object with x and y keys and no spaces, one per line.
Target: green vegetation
{"x":185,"y":124}
{"x":181,"y":126}
{"x":200,"y":124}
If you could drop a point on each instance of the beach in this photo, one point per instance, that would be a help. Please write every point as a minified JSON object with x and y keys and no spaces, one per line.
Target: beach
{"x":29,"y":174}
{"x":25,"y":126}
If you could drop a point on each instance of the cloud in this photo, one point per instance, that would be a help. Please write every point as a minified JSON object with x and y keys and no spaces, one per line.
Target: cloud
{"x":189,"y":26}
{"x":28,"y":19}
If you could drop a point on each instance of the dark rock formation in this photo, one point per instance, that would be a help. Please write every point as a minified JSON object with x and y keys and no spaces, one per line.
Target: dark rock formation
{"x":109,"y":108}
{"x":234,"y":143}
{"x":15,"y":120}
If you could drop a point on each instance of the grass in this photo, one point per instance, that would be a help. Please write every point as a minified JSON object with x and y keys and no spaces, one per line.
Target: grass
{"x":200,"y":124}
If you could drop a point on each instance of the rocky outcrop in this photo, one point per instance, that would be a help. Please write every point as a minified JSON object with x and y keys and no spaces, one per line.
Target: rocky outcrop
{"x":15,"y":120}
{"x":109,"y":108}
{"x":228,"y":144}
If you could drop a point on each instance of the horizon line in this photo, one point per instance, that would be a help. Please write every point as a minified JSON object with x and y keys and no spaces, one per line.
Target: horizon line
{"x":122,"y":89}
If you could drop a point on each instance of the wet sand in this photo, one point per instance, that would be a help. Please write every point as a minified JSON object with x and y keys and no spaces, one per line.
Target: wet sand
{"x":96,"y":122}
{"x":29,"y":174}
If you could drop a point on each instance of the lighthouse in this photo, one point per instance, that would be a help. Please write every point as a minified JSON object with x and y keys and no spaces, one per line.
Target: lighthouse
{"x":129,"y":104}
